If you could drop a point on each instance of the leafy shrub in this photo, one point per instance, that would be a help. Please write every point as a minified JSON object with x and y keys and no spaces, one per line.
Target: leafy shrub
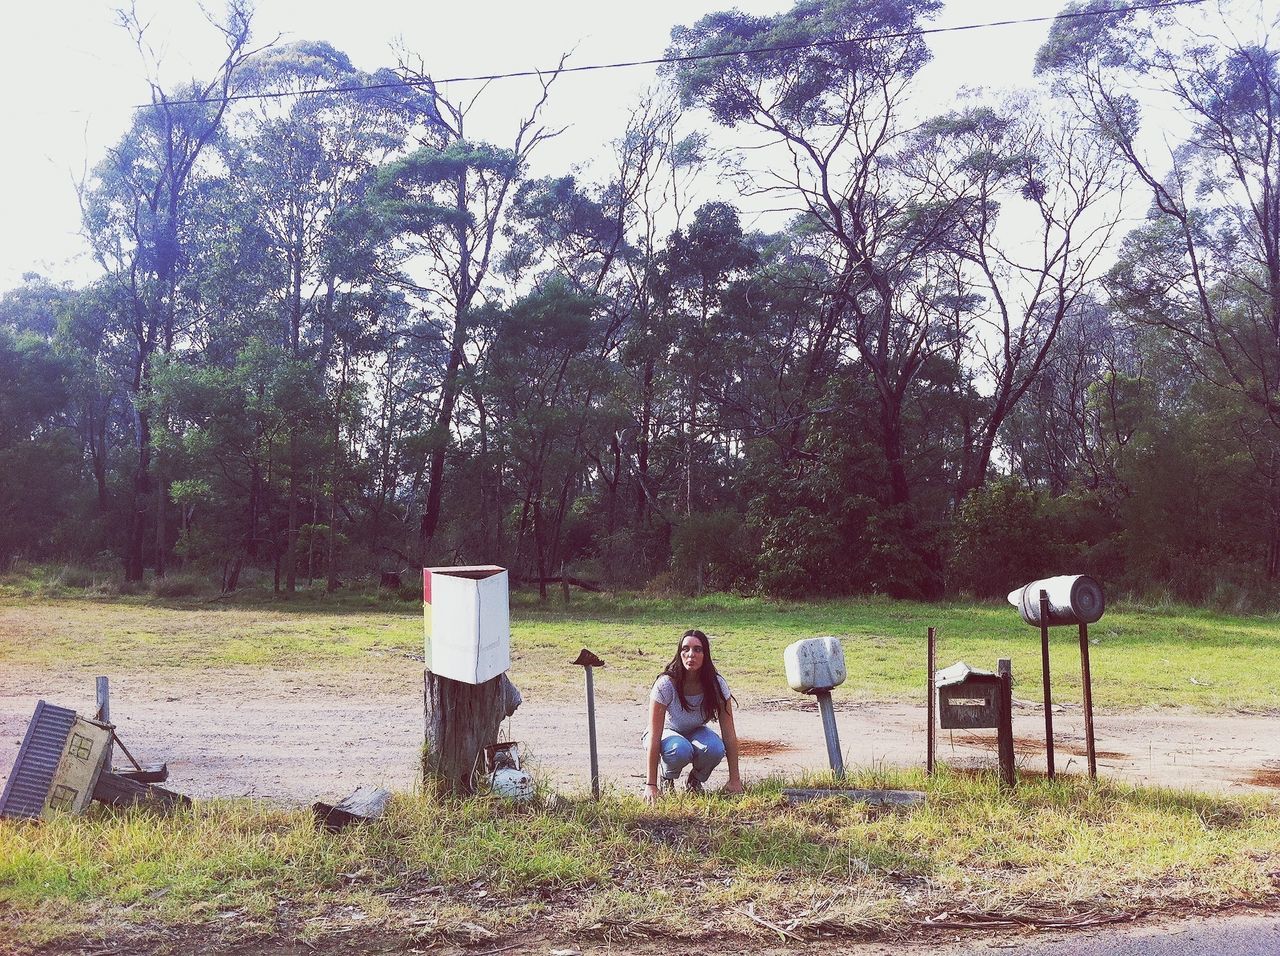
{"x":179,"y":586}
{"x":71,"y":576}
{"x":711,"y":552}
{"x":1001,"y":538}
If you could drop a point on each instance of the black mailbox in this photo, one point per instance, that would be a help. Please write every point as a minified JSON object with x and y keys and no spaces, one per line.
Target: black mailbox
{"x":967,"y":699}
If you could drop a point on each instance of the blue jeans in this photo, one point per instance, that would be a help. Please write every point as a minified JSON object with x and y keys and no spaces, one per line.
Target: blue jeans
{"x":703,"y":748}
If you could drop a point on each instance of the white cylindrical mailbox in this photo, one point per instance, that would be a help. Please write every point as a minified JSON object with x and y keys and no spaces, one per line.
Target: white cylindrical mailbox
{"x":467,"y":620}
{"x":814,"y":664}
{"x":1073,"y":599}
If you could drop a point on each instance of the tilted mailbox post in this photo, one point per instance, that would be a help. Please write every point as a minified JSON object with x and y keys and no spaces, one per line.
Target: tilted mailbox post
{"x":815,"y":666}
{"x":1063,"y":600}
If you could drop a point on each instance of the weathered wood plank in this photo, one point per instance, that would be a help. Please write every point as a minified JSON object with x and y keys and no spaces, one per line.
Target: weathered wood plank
{"x":119,"y":791}
{"x":364,"y":804}
{"x":150,"y":773}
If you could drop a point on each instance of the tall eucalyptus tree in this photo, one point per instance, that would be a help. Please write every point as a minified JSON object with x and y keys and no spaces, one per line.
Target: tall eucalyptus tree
{"x":137,"y":214}
{"x":830,"y":105}
{"x":443,"y":206}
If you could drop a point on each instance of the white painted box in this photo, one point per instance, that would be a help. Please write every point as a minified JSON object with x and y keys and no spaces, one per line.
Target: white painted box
{"x":814,"y":664}
{"x":467,"y":620}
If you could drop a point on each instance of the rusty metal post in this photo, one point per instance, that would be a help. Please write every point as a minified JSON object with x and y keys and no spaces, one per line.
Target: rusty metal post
{"x":588,"y":661}
{"x":1044,"y":678}
{"x":1087,"y":680}
{"x":930,"y":696}
{"x":1004,"y":732}
{"x":591,"y":734}
{"x":104,"y":713}
{"x":828,"y":712}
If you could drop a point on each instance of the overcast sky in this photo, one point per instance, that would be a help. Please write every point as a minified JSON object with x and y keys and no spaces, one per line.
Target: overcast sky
{"x":71,"y":76}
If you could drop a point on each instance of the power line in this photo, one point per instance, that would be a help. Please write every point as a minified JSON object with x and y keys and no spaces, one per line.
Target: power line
{"x":688,"y":58}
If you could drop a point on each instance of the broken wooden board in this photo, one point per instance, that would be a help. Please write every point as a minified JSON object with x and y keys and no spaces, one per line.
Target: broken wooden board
{"x":875,"y":798}
{"x":366,"y":803}
{"x":148,"y":773}
{"x":116,"y":790}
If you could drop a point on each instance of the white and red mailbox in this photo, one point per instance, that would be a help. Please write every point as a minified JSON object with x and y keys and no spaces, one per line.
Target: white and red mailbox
{"x":467,"y":621}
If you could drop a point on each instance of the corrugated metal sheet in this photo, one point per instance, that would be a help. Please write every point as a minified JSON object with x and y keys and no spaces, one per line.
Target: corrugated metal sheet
{"x":32,"y":773}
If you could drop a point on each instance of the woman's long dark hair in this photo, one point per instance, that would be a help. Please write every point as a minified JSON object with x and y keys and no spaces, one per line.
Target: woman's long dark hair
{"x":712,"y":696}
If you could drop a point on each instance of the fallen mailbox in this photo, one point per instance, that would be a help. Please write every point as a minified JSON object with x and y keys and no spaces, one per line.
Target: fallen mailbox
{"x":61,"y":766}
{"x":503,"y":771}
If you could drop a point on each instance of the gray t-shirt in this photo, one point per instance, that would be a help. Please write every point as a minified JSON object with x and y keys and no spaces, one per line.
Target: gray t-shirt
{"x":679,"y":719}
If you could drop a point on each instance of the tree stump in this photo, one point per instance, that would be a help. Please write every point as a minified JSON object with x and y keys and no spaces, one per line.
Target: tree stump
{"x":460,"y":721}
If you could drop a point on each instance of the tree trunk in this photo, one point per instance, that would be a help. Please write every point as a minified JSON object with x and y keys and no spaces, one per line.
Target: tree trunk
{"x":231,"y":580}
{"x":539,"y":544}
{"x":891,"y":431}
{"x":291,"y":534}
{"x":444,"y":424}
{"x":133,"y":563}
{"x":162,"y":531}
{"x":331,"y":563}
{"x":460,"y":721}
{"x":98,"y":453}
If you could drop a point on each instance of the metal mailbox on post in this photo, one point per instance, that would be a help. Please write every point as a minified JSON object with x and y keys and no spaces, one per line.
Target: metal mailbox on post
{"x":1066,"y":599}
{"x":816,"y":666}
{"x":968,"y":699}
{"x":971,"y":699}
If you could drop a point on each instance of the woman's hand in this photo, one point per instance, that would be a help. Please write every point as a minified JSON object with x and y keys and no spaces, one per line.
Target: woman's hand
{"x":657,"y":720}
{"x":734,"y":786}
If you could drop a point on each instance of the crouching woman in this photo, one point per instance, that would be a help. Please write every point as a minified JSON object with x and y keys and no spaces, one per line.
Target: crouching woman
{"x":686,"y":697}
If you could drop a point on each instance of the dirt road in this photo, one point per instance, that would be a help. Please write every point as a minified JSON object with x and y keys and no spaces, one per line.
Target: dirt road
{"x":298,"y":736}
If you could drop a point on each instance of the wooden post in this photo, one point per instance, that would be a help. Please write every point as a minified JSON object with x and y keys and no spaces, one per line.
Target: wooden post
{"x":460,"y":720}
{"x":104,"y":713}
{"x":1087,"y":680}
{"x":1044,"y":678}
{"x":1005,"y":730}
{"x":930,"y":696}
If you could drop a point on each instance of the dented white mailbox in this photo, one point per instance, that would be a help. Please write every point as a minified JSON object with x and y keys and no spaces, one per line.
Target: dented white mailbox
{"x":814,"y":664}
{"x":467,"y":618}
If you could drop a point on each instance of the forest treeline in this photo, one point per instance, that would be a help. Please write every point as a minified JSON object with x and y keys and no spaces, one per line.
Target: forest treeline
{"x":335,"y":334}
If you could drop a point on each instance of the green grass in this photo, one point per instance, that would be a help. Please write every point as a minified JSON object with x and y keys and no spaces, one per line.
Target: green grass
{"x":1141,"y":656}
{"x":1058,"y":847}
{"x":433,"y":871}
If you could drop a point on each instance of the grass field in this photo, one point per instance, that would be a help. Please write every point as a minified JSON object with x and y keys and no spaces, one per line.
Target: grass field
{"x":472,"y":872}
{"x":1175,"y":657}
{"x":440,"y":871}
